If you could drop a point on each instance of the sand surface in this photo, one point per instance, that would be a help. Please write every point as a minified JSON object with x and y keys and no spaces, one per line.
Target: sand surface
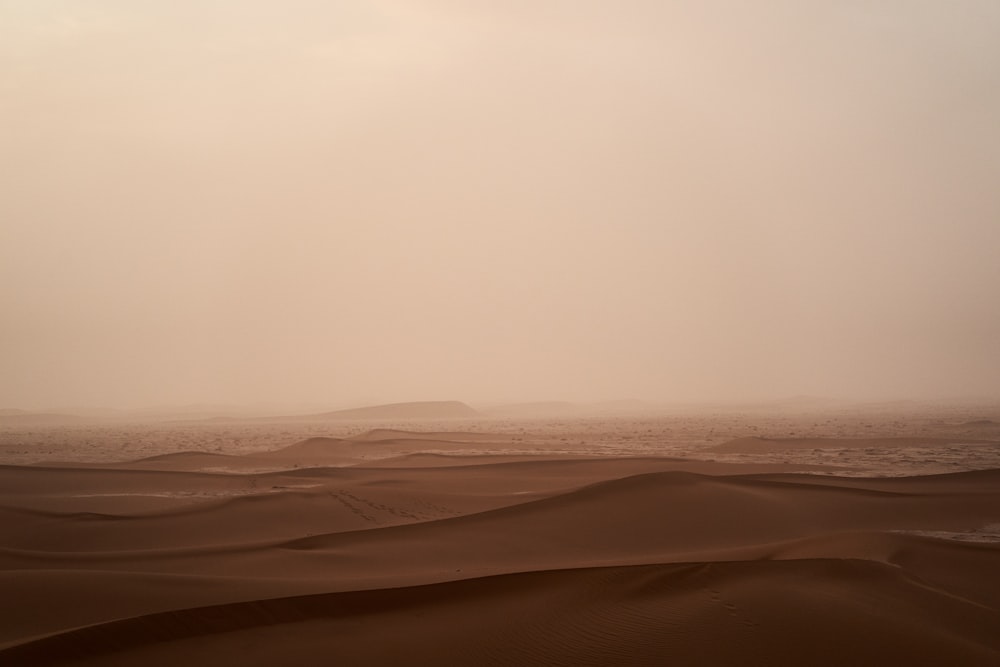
{"x":569,"y":544}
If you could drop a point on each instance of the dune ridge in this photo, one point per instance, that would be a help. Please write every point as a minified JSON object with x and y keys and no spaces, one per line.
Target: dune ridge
{"x":757,"y":444}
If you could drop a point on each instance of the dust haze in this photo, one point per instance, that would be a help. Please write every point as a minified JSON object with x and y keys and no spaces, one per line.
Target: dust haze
{"x":328,"y":202}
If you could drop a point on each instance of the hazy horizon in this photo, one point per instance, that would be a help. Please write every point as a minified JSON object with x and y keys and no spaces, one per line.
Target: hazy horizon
{"x":375,"y":200}
{"x":501,"y":408}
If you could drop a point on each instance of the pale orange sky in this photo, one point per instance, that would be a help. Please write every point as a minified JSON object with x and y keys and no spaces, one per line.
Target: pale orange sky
{"x":308,"y":201}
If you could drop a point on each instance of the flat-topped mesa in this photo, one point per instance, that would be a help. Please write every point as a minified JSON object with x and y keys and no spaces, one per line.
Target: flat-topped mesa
{"x":411,"y":410}
{"x":381,"y":434}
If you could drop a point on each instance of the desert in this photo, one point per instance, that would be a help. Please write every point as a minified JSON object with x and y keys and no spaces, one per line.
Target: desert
{"x":610,"y":540}
{"x":499,"y":333}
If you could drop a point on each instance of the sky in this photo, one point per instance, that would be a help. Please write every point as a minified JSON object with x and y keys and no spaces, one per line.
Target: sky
{"x":377,"y":200}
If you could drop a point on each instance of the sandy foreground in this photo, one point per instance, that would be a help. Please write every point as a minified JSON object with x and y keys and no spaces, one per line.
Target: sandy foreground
{"x":579,"y":546}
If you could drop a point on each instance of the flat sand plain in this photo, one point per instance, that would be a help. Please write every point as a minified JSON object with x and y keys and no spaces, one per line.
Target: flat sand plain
{"x":710,"y":539}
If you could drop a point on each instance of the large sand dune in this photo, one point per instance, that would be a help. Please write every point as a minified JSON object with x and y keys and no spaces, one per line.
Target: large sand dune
{"x":391,"y":547}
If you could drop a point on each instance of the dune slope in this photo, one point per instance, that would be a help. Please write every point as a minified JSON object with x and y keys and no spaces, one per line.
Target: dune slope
{"x":829,"y":611}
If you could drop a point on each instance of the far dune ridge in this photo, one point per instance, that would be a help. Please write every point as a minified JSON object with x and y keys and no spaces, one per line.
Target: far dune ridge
{"x":757,"y":445}
{"x":464,"y":547}
{"x":381,"y":444}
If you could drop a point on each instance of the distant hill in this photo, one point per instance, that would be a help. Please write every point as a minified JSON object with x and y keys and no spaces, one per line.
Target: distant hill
{"x":414,"y":410}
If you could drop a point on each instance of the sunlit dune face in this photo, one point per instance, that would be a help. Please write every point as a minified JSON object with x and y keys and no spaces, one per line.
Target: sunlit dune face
{"x":308,"y":202}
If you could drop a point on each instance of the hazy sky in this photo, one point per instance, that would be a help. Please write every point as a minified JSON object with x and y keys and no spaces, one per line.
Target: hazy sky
{"x":330,"y":200}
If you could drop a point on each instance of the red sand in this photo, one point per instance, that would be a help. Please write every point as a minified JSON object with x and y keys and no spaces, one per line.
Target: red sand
{"x":424,"y":557}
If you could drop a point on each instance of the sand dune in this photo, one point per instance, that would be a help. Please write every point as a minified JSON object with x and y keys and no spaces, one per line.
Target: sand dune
{"x":756,"y":445}
{"x":366,"y":447}
{"x":831,"y":611}
{"x":425,"y":553}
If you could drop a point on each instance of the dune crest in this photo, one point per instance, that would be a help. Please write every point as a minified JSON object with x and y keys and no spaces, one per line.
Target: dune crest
{"x":757,"y":445}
